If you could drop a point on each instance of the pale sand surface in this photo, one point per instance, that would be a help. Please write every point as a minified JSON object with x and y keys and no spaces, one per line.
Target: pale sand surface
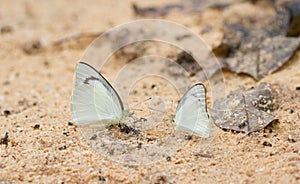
{"x":36,"y":89}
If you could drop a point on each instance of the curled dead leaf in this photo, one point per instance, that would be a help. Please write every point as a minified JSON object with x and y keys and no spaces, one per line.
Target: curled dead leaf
{"x":245,"y":110}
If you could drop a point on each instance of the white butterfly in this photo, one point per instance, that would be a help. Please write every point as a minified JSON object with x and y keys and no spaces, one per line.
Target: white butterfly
{"x":191,"y":112}
{"x":94,"y":101}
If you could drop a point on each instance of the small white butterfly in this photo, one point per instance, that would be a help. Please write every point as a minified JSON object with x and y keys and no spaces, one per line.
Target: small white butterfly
{"x":191,"y":112}
{"x":94,"y":101}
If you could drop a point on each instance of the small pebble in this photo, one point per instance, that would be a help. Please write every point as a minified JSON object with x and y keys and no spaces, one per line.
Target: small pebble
{"x":70,"y":123}
{"x":32,"y":46}
{"x":6,"y":29}
{"x":46,"y":63}
{"x":168,"y":158}
{"x":66,"y":133}
{"x":291,"y":139}
{"x":19,"y":129}
{"x":143,"y":119}
{"x":62,"y":148}
{"x":187,"y":137}
{"x":36,"y":126}
{"x":6,"y":112}
{"x":291,"y":111}
{"x":298,"y":88}
{"x":265,"y":143}
{"x":260,"y":170}
{"x":134,"y":92}
{"x":5,"y":83}
{"x":139,"y":145}
{"x":101,"y":178}
{"x":4,"y":140}
{"x":149,"y":139}
{"x":93,"y":137}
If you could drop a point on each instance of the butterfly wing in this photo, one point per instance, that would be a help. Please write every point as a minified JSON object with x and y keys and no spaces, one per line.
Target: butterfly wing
{"x":94,"y":102}
{"x":191,"y":112}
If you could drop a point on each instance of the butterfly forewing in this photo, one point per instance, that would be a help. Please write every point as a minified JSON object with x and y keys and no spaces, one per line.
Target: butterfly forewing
{"x":94,"y":101}
{"x":191,"y":112}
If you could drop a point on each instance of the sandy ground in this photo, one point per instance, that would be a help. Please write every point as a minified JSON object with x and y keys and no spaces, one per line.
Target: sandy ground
{"x":36,"y":89}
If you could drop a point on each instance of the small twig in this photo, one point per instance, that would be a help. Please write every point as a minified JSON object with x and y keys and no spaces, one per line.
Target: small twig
{"x":156,"y":110}
{"x":140,"y":102}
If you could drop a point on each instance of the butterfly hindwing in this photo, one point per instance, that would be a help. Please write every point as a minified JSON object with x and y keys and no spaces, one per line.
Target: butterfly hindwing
{"x":94,"y":101}
{"x":191,"y":112}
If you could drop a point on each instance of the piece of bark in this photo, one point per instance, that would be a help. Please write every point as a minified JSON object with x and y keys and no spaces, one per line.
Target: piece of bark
{"x":245,"y":111}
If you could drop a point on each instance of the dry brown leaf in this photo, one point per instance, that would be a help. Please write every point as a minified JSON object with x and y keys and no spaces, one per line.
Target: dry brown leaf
{"x":254,"y":42}
{"x":262,"y":58}
{"x":245,"y":111}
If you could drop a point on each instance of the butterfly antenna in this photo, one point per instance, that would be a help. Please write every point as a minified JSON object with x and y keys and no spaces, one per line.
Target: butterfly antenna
{"x":172,"y":105}
{"x":156,"y":110}
{"x":141,"y":102}
{"x":136,"y":109}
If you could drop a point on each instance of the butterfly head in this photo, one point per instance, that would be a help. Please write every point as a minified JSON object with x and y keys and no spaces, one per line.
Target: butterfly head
{"x":127,"y":113}
{"x":173,"y":117}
